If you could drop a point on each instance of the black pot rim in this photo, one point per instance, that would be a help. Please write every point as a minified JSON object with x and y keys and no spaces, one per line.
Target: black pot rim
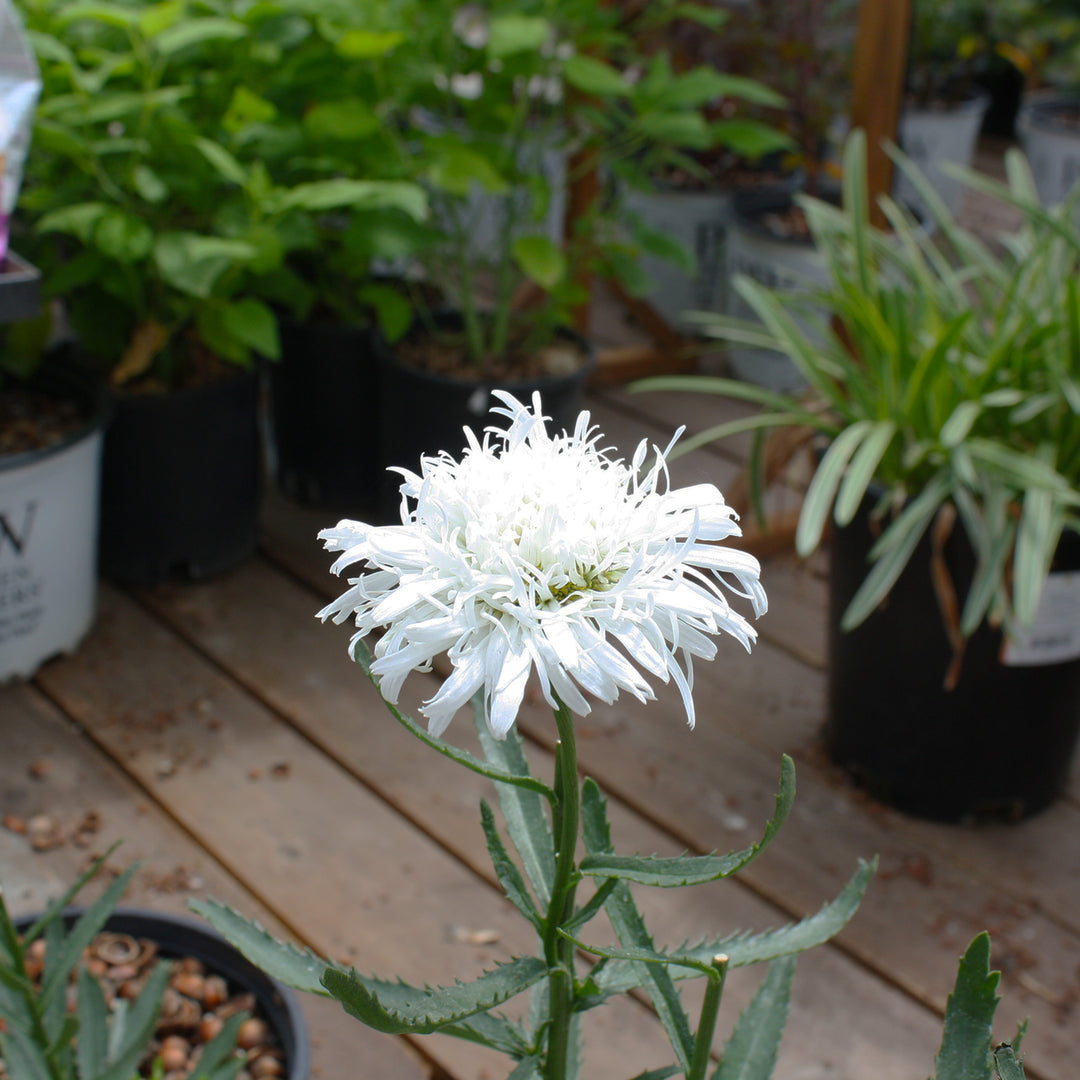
{"x":205,"y":939}
{"x":751,"y":204}
{"x":234,"y":376}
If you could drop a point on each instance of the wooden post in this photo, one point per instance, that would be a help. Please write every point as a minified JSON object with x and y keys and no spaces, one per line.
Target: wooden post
{"x":881,"y":48}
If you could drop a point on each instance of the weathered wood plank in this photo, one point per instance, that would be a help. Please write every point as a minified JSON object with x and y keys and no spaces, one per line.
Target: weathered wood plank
{"x":75,"y":780}
{"x":349,"y":874}
{"x":774,"y":701}
{"x":325,"y":695}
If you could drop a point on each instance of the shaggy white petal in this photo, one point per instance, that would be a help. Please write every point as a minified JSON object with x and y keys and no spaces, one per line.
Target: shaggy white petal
{"x":540,"y":552}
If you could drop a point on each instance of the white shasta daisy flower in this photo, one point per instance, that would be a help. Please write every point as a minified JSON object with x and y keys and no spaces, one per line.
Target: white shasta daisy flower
{"x":543,"y":552}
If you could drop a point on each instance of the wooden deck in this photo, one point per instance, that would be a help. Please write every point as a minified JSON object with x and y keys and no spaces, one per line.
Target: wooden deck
{"x":222,"y":732}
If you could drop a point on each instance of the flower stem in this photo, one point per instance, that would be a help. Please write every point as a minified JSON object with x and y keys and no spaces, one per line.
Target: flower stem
{"x":558,"y":951}
{"x":710,"y":1008}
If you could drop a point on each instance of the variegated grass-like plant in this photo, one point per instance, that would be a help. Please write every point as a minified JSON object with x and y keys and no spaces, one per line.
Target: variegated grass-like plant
{"x":943,"y":374}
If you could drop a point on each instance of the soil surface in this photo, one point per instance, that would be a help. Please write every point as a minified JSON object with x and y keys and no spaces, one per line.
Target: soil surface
{"x":447,"y":355}
{"x":31,"y":420}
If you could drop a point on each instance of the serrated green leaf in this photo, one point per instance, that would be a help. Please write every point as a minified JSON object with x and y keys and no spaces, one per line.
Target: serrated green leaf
{"x":23,"y":1057}
{"x":750,"y":1053}
{"x":509,"y":877}
{"x":694,"y":869}
{"x":397,"y":1009}
{"x":743,"y":949}
{"x":218,"y":1051}
{"x":289,"y":964}
{"x":61,"y":963}
{"x":522,"y":808}
{"x":969,"y":1015}
{"x":133,"y":1029}
{"x":630,"y":929}
{"x":91,"y":1049}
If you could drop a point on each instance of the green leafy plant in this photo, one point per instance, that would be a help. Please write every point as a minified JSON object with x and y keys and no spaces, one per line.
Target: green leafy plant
{"x":151,"y":208}
{"x":501,"y":107}
{"x":42,"y":1039}
{"x":941,"y":378}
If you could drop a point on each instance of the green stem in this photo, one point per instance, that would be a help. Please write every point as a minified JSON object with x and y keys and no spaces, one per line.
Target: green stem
{"x":710,"y":1009}
{"x":558,"y":951}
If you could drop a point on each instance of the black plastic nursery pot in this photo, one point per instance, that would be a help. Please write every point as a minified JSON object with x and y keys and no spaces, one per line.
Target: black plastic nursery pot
{"x":180,"y":482}
{"x":996,"y":747}
{"x":424,"y":412}
{"x":324,"y":399}
{"x":178,"y":937}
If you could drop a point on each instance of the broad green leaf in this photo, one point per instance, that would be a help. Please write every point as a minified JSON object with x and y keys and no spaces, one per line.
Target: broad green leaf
{"x":368,"y":44}
{"x":689,"y":129}
{"x":512,"y":33}
{"x":969,"y":1015}
{"x":393,"y":312}
{"x":630,"y":929}
{"x":702,"y":85}
{"x":246,"y":108}
{"x":455,"y":169}
{"x":226,"y":166}
{"x":665,"y":246}
{"x":508,"y":875}
{"x":346,"y":119}
{"x":148,"y":184}
{"x":397,"y":1009}
{"x":158,"y":17}
{"x":193,"y":263}
{"x":120,"y":105}
{"x":541,"y":260}
{"x":750,"y":1053}
{"x":318,"y":195}
{"x":197,"y":32}
{"x":750,"y":138}
{"x":592,"y":76}
{"x":111,"y":14}
{"x":694,"y":869}
{"x":252,"y":322}
{"x":78,"y":220}
{"x":123,"y":237}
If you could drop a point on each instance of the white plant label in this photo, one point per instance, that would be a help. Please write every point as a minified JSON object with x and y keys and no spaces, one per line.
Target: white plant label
{"x":1054,"y":634}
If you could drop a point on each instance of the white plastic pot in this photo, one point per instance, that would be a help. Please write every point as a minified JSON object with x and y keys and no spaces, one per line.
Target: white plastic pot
{"x":48,"y":550}
{"x":699,"y":220}
{"x":1051,"y":143}
{"x":933,"y":138}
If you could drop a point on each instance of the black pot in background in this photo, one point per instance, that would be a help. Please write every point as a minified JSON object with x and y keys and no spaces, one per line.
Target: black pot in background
{"x":324,"y":398}
{"x":177,"y":936}
{"x":180,"y":482}
{"x":424,"y":412}
{"x":997,"y":747}
{"x":1005,"y":83}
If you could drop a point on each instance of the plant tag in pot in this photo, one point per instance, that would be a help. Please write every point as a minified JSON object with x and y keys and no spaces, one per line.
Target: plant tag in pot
{"x":1054,"y":634}
{"x":20,"y":85}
